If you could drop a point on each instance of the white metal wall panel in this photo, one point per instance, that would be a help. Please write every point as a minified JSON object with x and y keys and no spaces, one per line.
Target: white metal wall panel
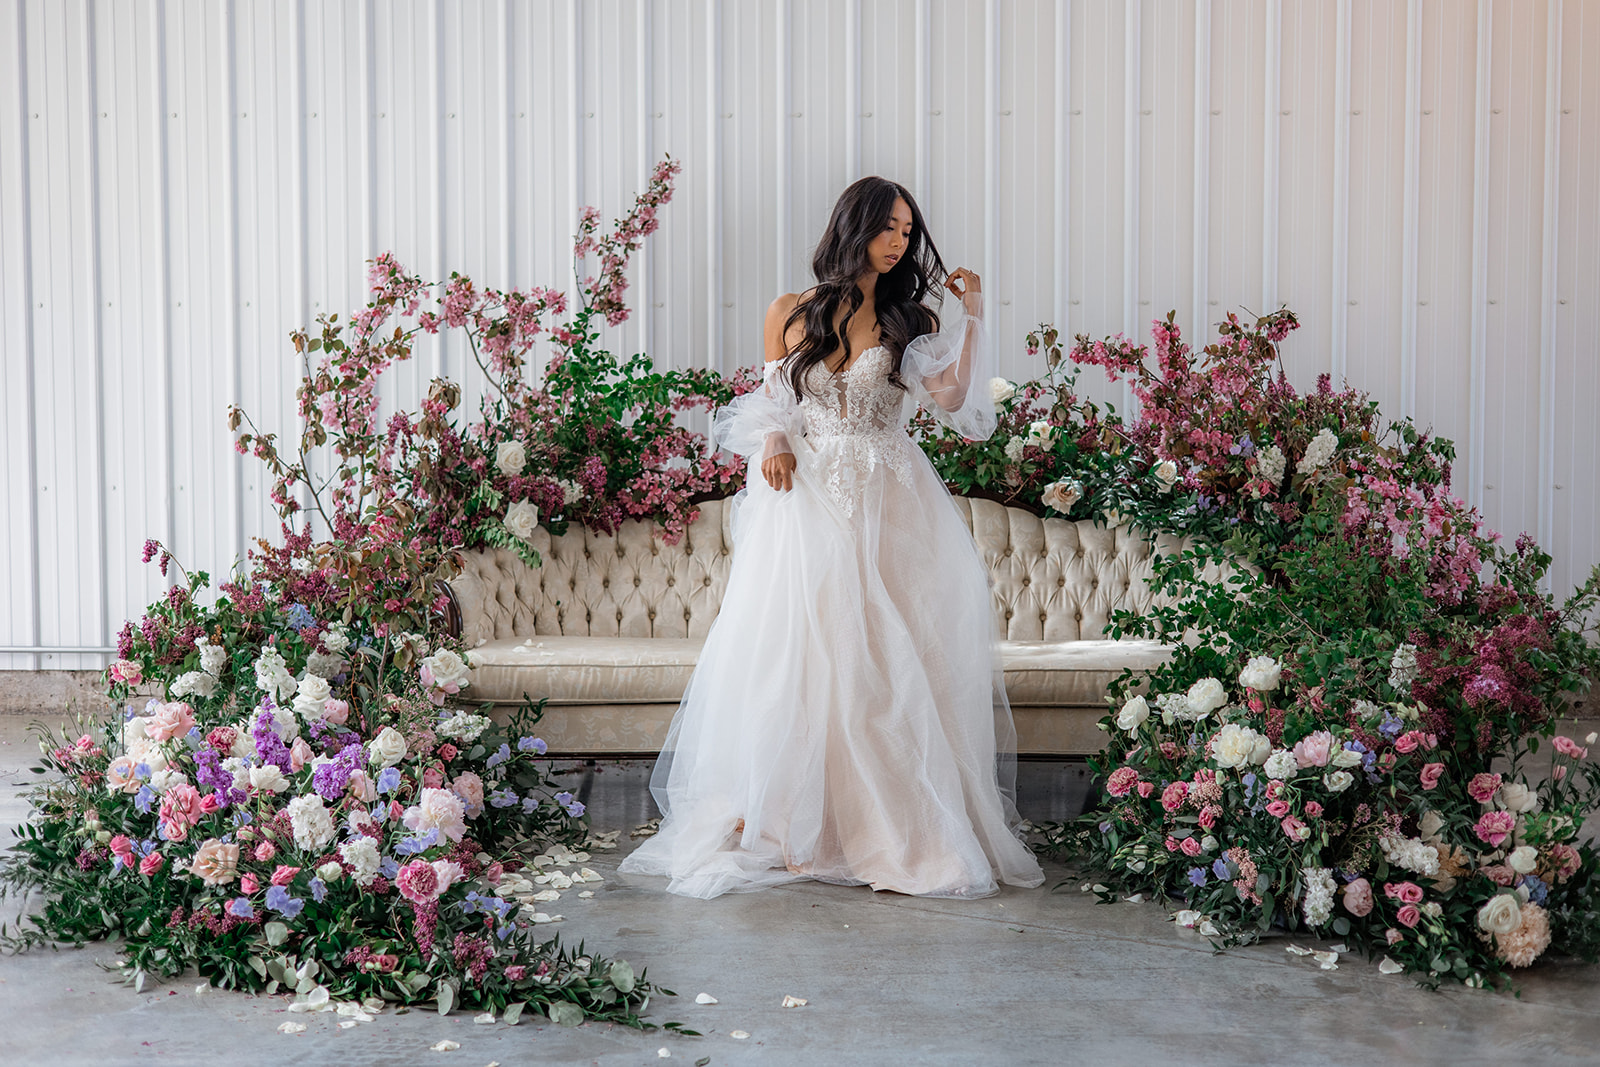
{"x":182,"y":182}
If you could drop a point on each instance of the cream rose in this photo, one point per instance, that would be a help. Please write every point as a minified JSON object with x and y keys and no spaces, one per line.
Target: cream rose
{"x":1166,"y":474}
{"x":510,"y":458}
{"x":1001,"y":390}
{"x":268,"y":778}
{"x":447,"y":669}
{"x":1062,"y":495}
{"x":520,"y":520}
{"x":1261,"y":674}
{"x":1523,"y":859}
{"x":1516,"y":797}
{"x":215,"y":863}
{"x":1501,"y":915}
{"x":1206,"y":696}
{"x":1133,"y":714}
{"x":1237,"y":746}
{"x":311,"y":701}
{"x":388,"y":748}
{"x":1338,"y":781}
{"x":1041,"y":433}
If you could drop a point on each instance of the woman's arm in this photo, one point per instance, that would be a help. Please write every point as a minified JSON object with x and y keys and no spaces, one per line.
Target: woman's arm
{"x":948,"y":371}
{"x":949,"y":386}
{"x":777,"y":461}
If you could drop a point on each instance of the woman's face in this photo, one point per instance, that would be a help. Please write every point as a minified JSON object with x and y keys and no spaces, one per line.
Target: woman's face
{"x":885,"y":250}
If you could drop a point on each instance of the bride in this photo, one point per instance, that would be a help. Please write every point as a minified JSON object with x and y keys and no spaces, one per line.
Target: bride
{"x":847,"y":719}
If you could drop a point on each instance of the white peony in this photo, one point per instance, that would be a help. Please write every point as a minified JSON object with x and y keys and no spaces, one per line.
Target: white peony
{"x":1403,"y":666}
{"x":520,"y":520}
{"x":311,"y":701}
{"x":1001,"y":390}
{"x":362,"y":855}
{"x":268,"y":779}
{"x":212,"y":657}
{"x":1166,"y":474}
{"x":447,"y":669}
{"x":510,"y":458}
{"x":1523,"y":859}
{"x":1133,"y":714}
{"x":1237,"y":746}
{"x":195,"y":683}
{"x":1338,"y":781}
{"x":1501,"y":915}
{"x":1281,"y":765}
{"x":1014,"y":449}
{"x":1205,"y":696}
{"x":1344,"y":758}
{"x":1261,"y":674}
{"x":335,"y":639}
{"x":1041,"y":433}
{"x":388,"y":748}
{"x":1062,"y":495}
{"x":1519,"y":799}
{"x":273,"y":677}
{"x":1318,"y":452}
{"x":437,"y":809}
{"x":314,"y":827}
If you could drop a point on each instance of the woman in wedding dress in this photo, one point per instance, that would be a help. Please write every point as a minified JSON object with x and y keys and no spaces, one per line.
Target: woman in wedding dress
{"x":847,"y":719}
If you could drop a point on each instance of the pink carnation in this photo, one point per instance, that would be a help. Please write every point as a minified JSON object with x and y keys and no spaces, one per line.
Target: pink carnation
{"x":418,"y":882}
{"x":1495,"y":826}
{"x":1121,"y":781}
{"x":1482,"y":786}
{"x":1172,"y":796}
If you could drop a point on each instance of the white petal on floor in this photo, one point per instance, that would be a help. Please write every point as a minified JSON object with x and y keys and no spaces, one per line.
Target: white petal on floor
{"x":444,"y":1046}
{"x":546,"y":894}
{"x":291,"y":1028}
{"x":705,"y":998}
{"x":486,"y":1019}
{"x":794,"y":1002}
{"x":1388,"y":966}
{"x":738,"y":1035}
{"x":586,"y":894}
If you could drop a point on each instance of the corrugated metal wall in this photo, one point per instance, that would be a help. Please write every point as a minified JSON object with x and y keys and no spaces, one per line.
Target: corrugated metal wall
{"x":183,"y":181}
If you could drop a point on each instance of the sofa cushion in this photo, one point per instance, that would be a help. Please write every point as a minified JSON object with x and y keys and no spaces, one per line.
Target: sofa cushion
{"x":654,"y":670}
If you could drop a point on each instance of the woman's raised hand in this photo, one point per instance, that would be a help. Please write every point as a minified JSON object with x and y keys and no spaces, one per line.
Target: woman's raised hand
{"x":778,"y":470}
{"x":970,"y":284}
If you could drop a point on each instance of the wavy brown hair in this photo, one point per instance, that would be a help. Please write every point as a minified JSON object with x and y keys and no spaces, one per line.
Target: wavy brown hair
{"x":841,"y":258}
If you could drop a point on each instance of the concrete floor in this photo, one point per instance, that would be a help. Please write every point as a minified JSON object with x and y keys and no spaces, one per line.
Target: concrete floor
{"x":1028,"y":977}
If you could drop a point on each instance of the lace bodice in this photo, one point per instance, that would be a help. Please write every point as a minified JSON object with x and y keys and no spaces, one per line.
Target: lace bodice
{"x":855,"y":423}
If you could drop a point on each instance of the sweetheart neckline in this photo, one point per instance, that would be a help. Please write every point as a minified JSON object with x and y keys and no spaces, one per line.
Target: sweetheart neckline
{"x":859,"y":357}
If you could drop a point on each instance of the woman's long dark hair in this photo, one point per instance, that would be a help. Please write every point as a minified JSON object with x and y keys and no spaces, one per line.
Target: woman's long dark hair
{"x":841,"y":258}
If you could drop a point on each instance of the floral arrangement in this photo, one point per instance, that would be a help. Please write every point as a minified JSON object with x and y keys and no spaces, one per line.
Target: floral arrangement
{"x":306,"y":802}
{"x":1341,"y":741}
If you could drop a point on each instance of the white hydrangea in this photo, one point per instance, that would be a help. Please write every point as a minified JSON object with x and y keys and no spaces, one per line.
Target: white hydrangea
{"x":1318,"y":907}
{"x":1014,"y":449}
{"x":1403,"y":667}
{"x":212,"y":657}
{"x":462,"y":726}
{"x":1410,"y":853}
{"x":1174,"y":706}
{"x":1270,"y":463}
{"x":273,"y":677}
{"x":195,"y":683}
{"x":1281,"y":765}
{"x":324,"y":664}
{"x":1261,"y":674}
{"x":362,"y":855}
{"x":1318,"y":452}
{"x":314,"y":827}
{"x":336,"y":638}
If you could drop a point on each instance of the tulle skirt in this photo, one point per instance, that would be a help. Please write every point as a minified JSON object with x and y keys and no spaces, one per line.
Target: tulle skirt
{"x":846,"y":720}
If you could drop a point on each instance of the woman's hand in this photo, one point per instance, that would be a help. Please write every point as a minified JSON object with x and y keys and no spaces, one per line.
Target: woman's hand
{"x":969,"y":288}
{"x":778,"y":470}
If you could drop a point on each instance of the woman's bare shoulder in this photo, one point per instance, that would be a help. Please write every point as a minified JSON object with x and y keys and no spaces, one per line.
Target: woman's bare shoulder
{"x":778,"y":313}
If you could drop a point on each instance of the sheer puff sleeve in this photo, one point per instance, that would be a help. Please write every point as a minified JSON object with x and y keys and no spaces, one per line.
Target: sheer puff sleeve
{"x":948,"y":372}
{"x":762,"y":422}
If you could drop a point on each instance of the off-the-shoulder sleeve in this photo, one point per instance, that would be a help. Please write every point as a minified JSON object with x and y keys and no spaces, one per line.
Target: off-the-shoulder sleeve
{"x":948,"y":372}
{"x":761,"y":422}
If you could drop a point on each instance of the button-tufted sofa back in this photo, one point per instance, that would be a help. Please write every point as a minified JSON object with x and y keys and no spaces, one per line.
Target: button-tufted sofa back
{"x":1053,"y":579}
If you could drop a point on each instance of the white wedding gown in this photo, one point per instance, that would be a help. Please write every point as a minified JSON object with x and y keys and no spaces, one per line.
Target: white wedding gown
{"x":847,"y":719}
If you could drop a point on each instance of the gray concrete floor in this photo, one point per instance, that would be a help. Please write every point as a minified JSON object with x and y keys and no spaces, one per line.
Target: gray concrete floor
{"x":1027,"y":977}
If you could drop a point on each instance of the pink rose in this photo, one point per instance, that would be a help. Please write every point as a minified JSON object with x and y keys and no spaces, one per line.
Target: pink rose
{"x":264,"y":852}
{"x":216,"y":863}
{"x":1278,"y":809}
{"x":1406,"y":742}
{"x":1568,"y":747}
{"x":171,"y":720}
{"x":1294,"y":829}
{"x":182,"y":804}
{"x":1173,"y":795}
{"x":1405,"y":892}
{"x":209,"y":804}
{"x":299,"y":754}
{"x":248,"y":884}
{"x":1313,"y":809}
{"x":1121,"y":781}
{"x":174,"y":831}
{"x":433,"y":777}
{"x":1146,"y":788}
{"x":336,"y":711}
{"x":127,"y":672}
{"x":1190,"y":847}
{"x":1408,"y":916}
{"x":1314,"y":750}
{"x":469,"y":787}
{"x":151,"y":864}
{"x":1358,"y":897}
{"x":418,"y":882}
{"x":1499,"y":874}
{"x":1495,"y":826}
{"x":122,"y":848}
{"x":1171,"y":843}
{"x":448,"y":752}
{"x":1482,"y":786}
{"x":120,"y":776}
{"x":1431,"y":773}
{"x":284,"y":874}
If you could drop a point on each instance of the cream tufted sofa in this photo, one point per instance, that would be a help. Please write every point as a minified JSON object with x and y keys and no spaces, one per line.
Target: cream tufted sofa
{"x":607,"y":630}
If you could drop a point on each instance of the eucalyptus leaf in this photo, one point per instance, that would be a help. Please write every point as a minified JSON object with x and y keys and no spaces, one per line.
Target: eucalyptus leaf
{"x":566,"y":1013}
{"x":446,"y":995}
{"x":276,"y":932}
{"x":513,"y":1013}
{"x":257,"y":965}
{"x":622,"y":976}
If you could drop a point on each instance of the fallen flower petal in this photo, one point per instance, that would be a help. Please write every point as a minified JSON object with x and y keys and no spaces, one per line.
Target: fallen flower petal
{"x":1388,"y":966}
{"x":738,"y":1035}
{"x":705,"y":998}
{"x":444,"y":1046}
{"x":794,"y":1002}
{"x":291,"y":1028}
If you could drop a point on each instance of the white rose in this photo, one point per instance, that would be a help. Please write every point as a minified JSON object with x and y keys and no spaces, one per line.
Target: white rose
{"x":1061,"y":495}
{"x":1501,"y":915}
{"x":1238,"y":746}
{"x":1518,"y":798}
{"x":520,"y":520}
{"x":1112,"y":518}
{"x":447,"y":669}
{"x":1206,"y":696}
{"x":1041,"y":433}
{"x":310,"y":702}
{"x":510,"y":458}
{"x":1166,"y":474}
{"x":1338,"y":781}
{"x":1523,"y":859}
{"x":1001,"y":390}
{"x":388,"y":748}
{"x":1261,"y":674}
{"x":1345,"y":757}
{"x":268,"y":778}
{"x":1133,"y":714}
{"x":1281,"y":765}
